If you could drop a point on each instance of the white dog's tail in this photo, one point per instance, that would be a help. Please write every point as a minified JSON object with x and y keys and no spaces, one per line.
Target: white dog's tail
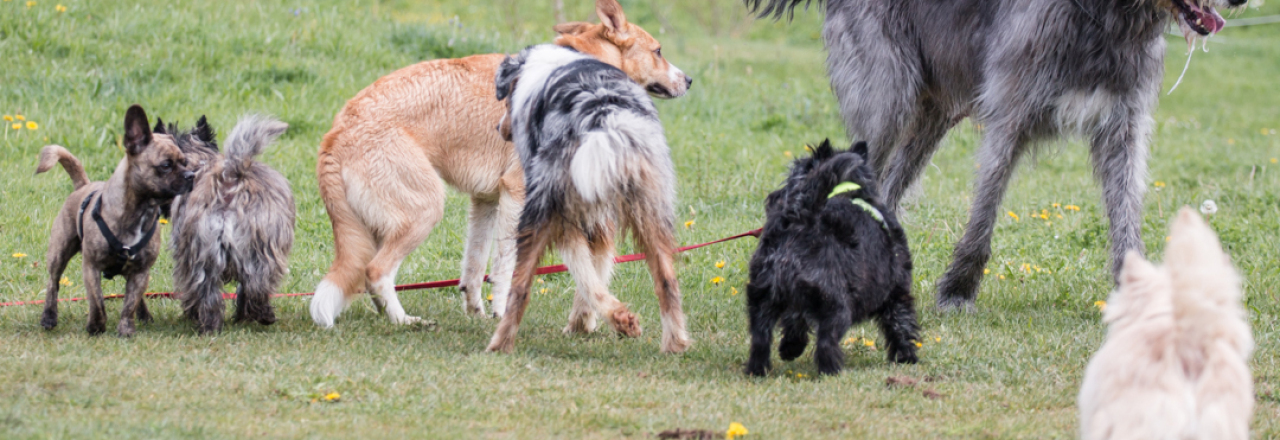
{"x":604,"y":159}
{"x":251,"y":135}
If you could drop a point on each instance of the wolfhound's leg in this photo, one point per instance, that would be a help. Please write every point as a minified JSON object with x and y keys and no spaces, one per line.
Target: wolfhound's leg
{"x":921,"y":141}
{"x":1119,"y":153}
{"x":480,"y":232}
{"x":530,"y":244}
{"x":504,"y":260}
{"x":1001,"y":149}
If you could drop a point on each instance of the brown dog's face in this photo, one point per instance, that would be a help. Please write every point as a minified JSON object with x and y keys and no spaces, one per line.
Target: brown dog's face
{"x":627,"y":47}
{"x":157,"y":168}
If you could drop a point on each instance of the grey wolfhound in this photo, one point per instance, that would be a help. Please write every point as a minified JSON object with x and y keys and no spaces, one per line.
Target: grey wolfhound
{"x":906,"y":71}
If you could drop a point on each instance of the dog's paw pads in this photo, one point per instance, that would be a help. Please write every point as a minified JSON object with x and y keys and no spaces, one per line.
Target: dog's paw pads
{"x":626,"y":323}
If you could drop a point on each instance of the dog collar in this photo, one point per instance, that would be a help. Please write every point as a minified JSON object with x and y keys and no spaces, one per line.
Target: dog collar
{"x":847,"y":187}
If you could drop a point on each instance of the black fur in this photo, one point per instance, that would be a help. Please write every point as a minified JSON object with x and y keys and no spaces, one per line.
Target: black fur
{"x":828,"y":263}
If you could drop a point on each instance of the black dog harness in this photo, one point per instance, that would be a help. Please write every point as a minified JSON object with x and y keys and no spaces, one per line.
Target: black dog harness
{"x":123,"y":257}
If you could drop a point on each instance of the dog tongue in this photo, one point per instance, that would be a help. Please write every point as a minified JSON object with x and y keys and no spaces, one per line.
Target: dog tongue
{"x":1209,"y":18}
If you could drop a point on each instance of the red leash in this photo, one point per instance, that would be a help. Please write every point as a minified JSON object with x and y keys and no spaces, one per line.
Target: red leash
{"x":418,"y":286}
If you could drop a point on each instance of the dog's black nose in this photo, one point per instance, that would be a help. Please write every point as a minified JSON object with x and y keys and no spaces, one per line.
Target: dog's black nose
{"x":188,"y":175}
{"x":688,"y":80}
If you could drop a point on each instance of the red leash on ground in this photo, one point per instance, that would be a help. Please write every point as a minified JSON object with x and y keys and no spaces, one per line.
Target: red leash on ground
{"x":418,"y":286}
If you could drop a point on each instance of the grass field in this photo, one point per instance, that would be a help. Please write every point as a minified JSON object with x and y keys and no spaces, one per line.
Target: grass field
{"x":1009,"y":370}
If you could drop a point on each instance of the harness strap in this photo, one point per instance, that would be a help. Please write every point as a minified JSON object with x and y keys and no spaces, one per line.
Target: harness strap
{"x":119,"y":249}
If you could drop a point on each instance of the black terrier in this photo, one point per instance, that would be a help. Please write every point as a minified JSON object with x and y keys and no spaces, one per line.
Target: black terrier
{"x":830,"y":255}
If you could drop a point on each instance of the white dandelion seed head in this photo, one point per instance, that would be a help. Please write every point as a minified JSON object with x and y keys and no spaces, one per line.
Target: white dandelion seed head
{"x":1208,"y":207}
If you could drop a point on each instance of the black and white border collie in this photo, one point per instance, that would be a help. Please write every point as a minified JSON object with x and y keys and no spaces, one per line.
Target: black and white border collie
{"x":596,"y":162}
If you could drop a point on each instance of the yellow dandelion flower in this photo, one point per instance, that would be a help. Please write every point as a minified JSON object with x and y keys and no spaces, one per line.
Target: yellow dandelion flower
{"x":869,"y":343}
{"x":1026,"y":267}
{"x":937,"y":339}
{"x":540,"y":281}
{"x":490,"y":297}
{"x":1059,"y":216}
{"x":733,"y":291}
{"x":1037,"y":268}
{"x":1002,"y":276}
{"x":808,"y":148}
{"x":1101,"y":305}
{"x":20,"y":117}
{"x":720,"y":264}
{"x":16,"y":126}
{"x":688,"y":224}
{"x":1158,"y":184}
{"x":1273,"y":160}
{"x":1044,"y":214}
{"x":19,"y":255}
{"x":164,"y":222}
{"x":786,"y":153}
{"x":1167,"y":238}
{"x":66,"y":282}
{"x":1015,"y":216}
{"x":543,"y":290}
{"x":918,"y":344}
{"x":60,"y":8}
{"x":986,"y":271}
{"x":799,"y":375}
{"x":31,"y":3}
{"x":1263,"y":131}
{"x":31,"y":125}
{"x":1072,"y":208}
{"x":8,"y":118}
{"x":332,"y":397}
{"x":717,"y":280}
{"x":1055,"y":205}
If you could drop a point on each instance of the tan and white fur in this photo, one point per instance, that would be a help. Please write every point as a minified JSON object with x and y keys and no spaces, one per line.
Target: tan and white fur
{"x":1174,"y":365}
{"x":383,"y":166}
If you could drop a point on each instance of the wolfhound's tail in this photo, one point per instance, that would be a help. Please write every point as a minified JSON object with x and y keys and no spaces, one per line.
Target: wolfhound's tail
{"x":251,"y":135}
{"x":778,"y":8}
{"x":52,"y":154}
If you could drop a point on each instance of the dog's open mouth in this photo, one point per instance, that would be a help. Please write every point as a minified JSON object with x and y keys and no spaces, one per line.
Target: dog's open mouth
{"x":1204,"y":20}
{"x":660,"y":91}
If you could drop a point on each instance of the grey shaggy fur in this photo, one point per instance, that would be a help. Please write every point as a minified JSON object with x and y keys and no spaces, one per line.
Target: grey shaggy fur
{"x":235,"y":225}
{"x":905,"y":72}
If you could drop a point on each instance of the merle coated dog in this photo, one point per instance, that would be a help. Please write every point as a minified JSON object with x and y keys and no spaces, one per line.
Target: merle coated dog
{"x":596,"y":163}
{"x":905,"y":72}
{"x":830,"y":256}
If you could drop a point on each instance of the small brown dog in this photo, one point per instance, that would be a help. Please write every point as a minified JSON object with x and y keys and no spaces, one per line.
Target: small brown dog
{"x":383,"y":166}
{"x":113,"y":223}
{"x":235,"y":224}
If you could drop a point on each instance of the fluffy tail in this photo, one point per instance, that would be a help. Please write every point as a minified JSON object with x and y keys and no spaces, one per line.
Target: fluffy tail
{"x":52,"y":154}
{"x":612,"y":154}
{"x":1207,"y":295}
{"x":251,"y":135}
{"x":778,"y":8}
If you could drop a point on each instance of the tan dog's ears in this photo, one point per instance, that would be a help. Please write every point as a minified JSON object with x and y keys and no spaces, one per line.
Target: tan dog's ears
{"x":572,"y":28}
{"x":137,"y":133}
{"x":611,"y":16}
{"x":504,"y":127}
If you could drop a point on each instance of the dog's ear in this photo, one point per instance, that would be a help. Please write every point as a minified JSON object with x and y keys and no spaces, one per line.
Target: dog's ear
{"x":159,"y":127}
{"x":859,"y":148}
{"x":137,"y":134}
{"x":824,"y":150}
{"x":571,"y":28}
{"x":508,"y":74}
{"x":205,"y":132}
{"x":611,"y":16}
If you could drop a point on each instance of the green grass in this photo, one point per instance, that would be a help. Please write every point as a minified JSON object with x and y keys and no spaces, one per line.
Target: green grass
{"x":1009,"y":370}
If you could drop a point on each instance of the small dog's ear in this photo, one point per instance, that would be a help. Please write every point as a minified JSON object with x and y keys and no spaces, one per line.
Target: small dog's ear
{"x":508,"y":74}
{"x":159,"y":127}
{"x":859,"y":148}
{"x":611,"y":16}
{"x":824,"y":150}
{"x":204,"y":132}
{"x":137,"y":134}
{"x":571,"y":28}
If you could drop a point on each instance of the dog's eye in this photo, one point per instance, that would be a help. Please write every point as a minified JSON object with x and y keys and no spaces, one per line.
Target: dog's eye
{"x":658,"y":52}
{"x":164,"y":166}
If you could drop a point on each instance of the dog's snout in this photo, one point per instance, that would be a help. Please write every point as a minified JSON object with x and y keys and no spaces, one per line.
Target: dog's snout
{"x":189,"y":175}
{"x":688,"y":82}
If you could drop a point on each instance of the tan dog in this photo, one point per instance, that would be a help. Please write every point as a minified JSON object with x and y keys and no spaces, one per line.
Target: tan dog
{"x":382,"y":165}
{"x":113,"y":223}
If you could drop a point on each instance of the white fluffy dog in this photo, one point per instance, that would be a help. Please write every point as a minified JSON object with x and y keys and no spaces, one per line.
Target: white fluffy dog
{"x":1174,"y":362}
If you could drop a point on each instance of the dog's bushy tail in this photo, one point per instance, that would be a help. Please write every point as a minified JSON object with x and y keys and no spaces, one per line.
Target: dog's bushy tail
{"x":603,"y":159}
{"x":52,"y":154}
{"x":779,"y":8}
{"x":251,"y":135}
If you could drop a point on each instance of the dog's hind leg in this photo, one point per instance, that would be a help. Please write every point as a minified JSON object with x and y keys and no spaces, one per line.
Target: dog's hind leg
{"x":898,"y":323}
{"x":1001,"y":149}
{"x":253,"y":299}
{"x":353,"y":247}
{"x":762,"y":317}
{"x":795,"y":337}
{"x":582,"y":318}
{"x":381,"y":272}
{"x":1119,"y":154}
{"x":921,"y":141}
{"x":97,"y":322}
{"x":530,"y":244}
{"x":61,"y":249}
{"x":826,"y":351}
{"x":584,"y":257}
{"x":480,"y":234}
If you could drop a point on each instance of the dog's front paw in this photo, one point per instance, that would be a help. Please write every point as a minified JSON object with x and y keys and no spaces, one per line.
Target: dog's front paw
{"x":501,"y":345}
{"x":675,"y":343}
{"x":626,"y":323}
{"x":126,"y":329}
{"x":902,"y":356}
{"x":267,"y":318}
{"x":95,"y":327}
{"x":49,"y":320}
{"x":792,"y":346}
{"x":757,"y":368}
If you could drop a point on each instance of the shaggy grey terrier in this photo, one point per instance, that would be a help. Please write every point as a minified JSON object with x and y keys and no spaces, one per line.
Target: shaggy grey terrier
{"x":905,"y":72}
{"x":235,"y":225}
